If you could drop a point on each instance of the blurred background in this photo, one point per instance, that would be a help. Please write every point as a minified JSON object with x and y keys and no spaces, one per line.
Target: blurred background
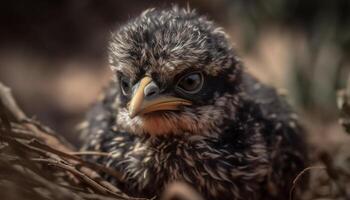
{"x":53,"y":53}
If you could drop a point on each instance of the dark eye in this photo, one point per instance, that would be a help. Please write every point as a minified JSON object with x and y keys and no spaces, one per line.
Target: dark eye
{"x":125,"y":85}
{"x":191,"y":83}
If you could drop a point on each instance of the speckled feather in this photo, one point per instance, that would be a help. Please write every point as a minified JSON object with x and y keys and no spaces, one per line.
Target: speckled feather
{"x":239,"y":140}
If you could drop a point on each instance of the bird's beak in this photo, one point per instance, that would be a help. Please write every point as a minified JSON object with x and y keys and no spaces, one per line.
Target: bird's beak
{"x":146,"y":99}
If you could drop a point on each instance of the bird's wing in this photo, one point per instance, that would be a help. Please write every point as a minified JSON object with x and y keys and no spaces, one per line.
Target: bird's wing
{"x":270,"y":102}
{"x":283,"y":134}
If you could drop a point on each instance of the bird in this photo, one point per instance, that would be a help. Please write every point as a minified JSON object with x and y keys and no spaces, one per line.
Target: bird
{"x":181,"y":107}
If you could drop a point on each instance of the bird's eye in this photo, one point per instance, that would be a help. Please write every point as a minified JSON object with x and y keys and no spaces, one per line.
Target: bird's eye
{"x":125,"y":85}
{"x":191,"y":83}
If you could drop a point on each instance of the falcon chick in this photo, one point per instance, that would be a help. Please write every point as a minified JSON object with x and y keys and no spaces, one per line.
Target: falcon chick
{"x":182,"y":108}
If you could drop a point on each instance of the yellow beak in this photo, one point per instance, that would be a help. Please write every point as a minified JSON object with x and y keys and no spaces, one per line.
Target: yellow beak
{"x":146,"y":99}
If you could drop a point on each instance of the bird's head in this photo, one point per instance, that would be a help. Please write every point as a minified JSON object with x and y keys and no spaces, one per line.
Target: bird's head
{"x":177,"y":73}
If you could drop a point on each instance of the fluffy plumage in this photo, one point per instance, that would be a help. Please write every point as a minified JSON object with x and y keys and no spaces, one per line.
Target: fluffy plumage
{"x":238,"y":139}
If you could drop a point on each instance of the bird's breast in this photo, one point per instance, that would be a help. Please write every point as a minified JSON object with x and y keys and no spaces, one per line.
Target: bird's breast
{"x":212,"y":166}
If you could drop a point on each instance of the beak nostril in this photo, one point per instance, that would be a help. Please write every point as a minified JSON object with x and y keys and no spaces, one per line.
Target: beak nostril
{"x":151,"y":90}
{"x":151,"y":93}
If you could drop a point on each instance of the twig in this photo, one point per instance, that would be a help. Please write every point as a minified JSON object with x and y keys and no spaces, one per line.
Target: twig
{"x":94,"y":166}
{"x":296,"y":179}
{"x":90,"y":153}
{"x":53,"y":187}
{"x":9,"y":103}
{"x":98,"y":188}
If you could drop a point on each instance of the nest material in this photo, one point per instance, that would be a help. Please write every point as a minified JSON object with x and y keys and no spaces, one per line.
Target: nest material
{"x":36,"y":163}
